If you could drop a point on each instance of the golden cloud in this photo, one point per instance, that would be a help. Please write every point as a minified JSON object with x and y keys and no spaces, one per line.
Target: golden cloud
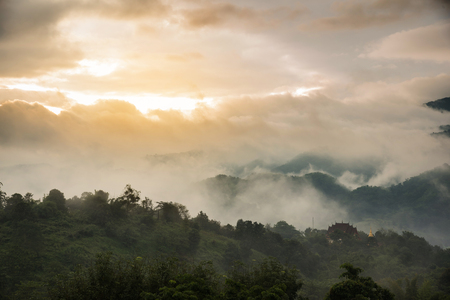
{"x":425,"y":43}
{"x":358,"y":14}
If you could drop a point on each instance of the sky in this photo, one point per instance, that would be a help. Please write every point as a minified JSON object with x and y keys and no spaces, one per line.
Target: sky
{"x":163,"y":94}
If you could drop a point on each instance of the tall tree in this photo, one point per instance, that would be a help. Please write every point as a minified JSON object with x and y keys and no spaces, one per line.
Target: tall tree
{"x":357,"y":287}
{"x":130,"y":197}
{"x":57,"y":197}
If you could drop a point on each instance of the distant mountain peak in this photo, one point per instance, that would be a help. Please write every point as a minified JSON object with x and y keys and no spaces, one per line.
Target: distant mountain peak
{"x":442,"y":105}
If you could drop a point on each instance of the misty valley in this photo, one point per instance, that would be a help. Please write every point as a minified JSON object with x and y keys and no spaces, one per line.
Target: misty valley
{"x":95,"y":246}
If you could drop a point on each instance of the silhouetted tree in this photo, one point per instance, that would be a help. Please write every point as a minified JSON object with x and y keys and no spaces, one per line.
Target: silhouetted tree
{"x":57,"y":197}
{"x":18,"y":208}
{"x":130,"y":197}
{"x":172,"y":212}
{"x":357,"y":287}
{"x":97,"y":207}
{"x":206,"y":224}
{"x":286,"y":230}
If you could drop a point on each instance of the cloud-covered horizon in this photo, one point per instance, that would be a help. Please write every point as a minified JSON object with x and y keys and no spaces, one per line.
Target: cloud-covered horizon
{"x":387,"y":123}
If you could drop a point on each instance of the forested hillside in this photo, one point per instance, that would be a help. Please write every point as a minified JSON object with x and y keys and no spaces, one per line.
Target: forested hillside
{"x":41,"y":239}
{"x":440,"y":104}
{"x":328,"y":164}
{"x":420,"y":204}
{"x":443,"y":105}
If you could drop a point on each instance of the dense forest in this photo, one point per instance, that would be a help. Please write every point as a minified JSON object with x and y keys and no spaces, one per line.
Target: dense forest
{"x":134,"y":248}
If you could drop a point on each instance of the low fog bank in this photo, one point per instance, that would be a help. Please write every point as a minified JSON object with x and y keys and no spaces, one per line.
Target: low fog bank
{"x":269,"y":198}
{"x":264,"y":196}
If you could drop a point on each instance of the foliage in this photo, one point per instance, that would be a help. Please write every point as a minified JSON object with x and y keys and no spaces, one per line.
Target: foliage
{"x":440,"y":104}
{"x":130,"y":197}
{"x":206,"y":224}
{"x":56,"y":197}
{"x":267,"y":280}
{"x":420,"y":203}
{"x":170,"y":278}
{"x":286,"y":230}
{"x":41,"y":240}
{"x":357,"y":287}
{"x":172,"y":212}
{"x":444,"y":282}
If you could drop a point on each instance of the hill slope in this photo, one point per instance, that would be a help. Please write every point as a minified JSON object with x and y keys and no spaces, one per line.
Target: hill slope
{"x":421,"y":203}
{"x":440,"y":104}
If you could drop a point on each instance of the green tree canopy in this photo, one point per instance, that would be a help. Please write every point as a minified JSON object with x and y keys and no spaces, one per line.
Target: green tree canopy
{"x":286,"y":230}
{"x":57,"y":197}
{"x":357,"y":287}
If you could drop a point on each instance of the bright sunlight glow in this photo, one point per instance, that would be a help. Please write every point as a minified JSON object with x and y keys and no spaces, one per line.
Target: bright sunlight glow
{"x":55,"y":110}
{"x":98,"y":68}
{"x":143,"y":102}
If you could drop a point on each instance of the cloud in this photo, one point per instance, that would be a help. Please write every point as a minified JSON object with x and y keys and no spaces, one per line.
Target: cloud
{"x":390,"y":126}
{"x":31,"y":43}
{"x":26,"y":125}
{"x":128,"y":9}
{"x":425,"y":89}
{"x":39,"y":37}
{"x":216,"y":14}
{"x":227,"y":14}
{"x":425,"y":43}
{"x":184,"y":57}
{"x":415,"y":91}
{"x":268,"y":198}
{"x":359,"y":14}
{"x":444,"y":7}
{"x":50,"y":98}
{"x":299,"y":123}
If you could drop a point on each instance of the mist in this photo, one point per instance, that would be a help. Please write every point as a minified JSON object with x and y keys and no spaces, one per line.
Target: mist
{"x":166,"y":154}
